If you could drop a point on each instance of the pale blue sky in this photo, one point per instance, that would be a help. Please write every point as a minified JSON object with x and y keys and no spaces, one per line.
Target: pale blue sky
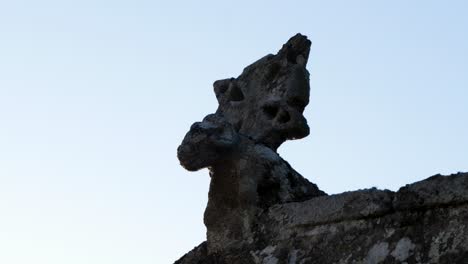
{"x":95,"y":97}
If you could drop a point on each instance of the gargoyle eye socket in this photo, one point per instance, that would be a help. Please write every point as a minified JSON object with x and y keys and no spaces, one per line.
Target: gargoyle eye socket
{"x":297,"y":103}
{"x":270,"y":110}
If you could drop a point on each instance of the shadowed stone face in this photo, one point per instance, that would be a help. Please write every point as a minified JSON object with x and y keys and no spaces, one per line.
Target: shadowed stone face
{"x":267,"y":100}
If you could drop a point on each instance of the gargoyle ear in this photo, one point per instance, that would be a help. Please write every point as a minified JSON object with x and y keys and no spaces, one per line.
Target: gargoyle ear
{"x":296,"y":50}
{"x":228,"y":91}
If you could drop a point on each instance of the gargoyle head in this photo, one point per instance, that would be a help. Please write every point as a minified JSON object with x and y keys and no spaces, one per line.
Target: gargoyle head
{"x":266,"y":102}
{"x":206,"y":142}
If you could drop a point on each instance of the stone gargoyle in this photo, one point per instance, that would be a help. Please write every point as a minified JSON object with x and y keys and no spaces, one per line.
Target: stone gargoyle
{"x":258,"y":111}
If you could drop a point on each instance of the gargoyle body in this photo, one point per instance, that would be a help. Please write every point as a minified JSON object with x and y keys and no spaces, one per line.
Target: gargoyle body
{"x":257,"y":112}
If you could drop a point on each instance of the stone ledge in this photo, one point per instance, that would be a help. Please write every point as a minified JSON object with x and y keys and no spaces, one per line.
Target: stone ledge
{"x":334,"y":208}
{"x":435,"y":191}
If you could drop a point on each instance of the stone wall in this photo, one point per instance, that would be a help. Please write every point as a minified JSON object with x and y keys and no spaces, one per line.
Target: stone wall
{"x":424,"y":222}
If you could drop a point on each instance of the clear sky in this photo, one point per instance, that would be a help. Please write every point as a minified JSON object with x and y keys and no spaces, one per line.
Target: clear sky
{"x":95,"y":97}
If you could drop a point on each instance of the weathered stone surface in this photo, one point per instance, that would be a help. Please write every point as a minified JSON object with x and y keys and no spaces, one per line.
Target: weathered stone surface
{"x":260,"y":210}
